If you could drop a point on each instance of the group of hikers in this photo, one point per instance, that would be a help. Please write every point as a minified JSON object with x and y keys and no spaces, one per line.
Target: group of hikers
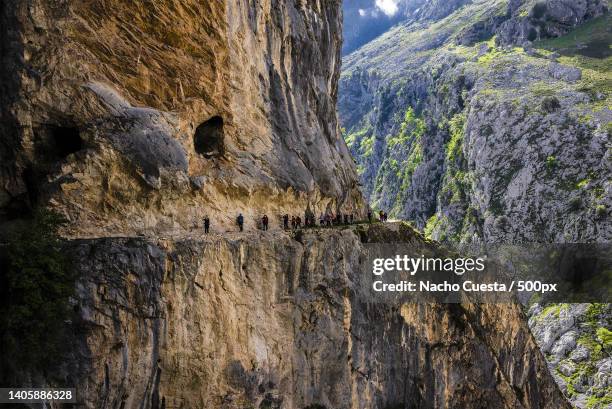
{"x":382,"y":216}
{"x":324,"y":220}
{"x":295,"y":222}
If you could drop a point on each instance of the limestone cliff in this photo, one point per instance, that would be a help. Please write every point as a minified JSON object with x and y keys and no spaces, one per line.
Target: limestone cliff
{"x":134,"y":120}
{"x":131,"y":117}
{"x":269,"y":321}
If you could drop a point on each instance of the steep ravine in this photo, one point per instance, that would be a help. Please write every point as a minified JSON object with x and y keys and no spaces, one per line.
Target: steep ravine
{"x":490,"y":122}
{"x":478,"y":140}
{"x":134,"y":121}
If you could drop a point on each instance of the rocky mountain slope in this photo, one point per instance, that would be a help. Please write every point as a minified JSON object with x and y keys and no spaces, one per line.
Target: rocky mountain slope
{"x":489,"y":121}
{"x":474,"y":137}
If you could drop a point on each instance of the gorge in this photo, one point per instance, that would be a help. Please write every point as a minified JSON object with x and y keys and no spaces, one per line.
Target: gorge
{"x":133,"y":121}
{"x":487,"y":122}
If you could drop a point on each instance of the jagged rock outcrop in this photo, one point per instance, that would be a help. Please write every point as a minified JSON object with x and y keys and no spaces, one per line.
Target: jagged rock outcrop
{"x":533,"y":20}
{"x":138,"y":117}
{"x":285,"y":322}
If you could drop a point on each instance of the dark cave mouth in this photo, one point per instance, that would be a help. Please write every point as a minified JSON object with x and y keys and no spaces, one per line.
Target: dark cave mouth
{"x":64,"y":140}
{"x":209,"y":138}
{"x":52,"y":145}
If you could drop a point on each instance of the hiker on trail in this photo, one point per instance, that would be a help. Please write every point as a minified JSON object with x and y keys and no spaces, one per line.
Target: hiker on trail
{"x":286,"y":222}
{"x":369,"y":216}
{"x":328,"y":220}
{"x":381,"y":216}
{"x":385,"y":216}
{"x":240,"y":221}
{"x":206,"y":224}
{"x":264,"y":222}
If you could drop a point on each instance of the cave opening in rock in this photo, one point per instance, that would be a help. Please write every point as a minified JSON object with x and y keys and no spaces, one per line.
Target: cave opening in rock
{"x":208,"y":138}
{"x":65,"y":140}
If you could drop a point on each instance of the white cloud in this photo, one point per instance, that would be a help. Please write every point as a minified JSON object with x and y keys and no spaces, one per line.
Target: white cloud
{"x":389,"y":7}
{"x":362,"y":12}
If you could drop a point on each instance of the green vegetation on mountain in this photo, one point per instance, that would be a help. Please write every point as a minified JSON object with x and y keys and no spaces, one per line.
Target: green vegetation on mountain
{"x":516,"y":112}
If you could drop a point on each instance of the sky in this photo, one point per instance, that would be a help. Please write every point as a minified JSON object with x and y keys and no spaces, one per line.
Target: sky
{"x":365,"y":20}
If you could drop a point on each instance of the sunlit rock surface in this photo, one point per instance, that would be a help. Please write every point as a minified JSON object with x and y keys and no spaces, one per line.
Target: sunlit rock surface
{"x":269,"y":320}
{"x":102,"y":102}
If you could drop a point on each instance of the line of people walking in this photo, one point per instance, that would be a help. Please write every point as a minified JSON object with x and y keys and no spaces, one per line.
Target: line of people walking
{"x":295,"y":222}
{"x":382,"y":216}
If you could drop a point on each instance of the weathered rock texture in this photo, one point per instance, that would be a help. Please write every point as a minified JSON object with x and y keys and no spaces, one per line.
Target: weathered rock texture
{"x":102,"y":101}
{"x":136,"y":117}
{"x":531,"y":20}
{"x":571,"y":337}
{"x":269,"y":321}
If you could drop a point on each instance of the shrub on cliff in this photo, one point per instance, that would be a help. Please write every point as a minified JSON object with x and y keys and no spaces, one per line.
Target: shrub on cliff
{"x":36,"y":282}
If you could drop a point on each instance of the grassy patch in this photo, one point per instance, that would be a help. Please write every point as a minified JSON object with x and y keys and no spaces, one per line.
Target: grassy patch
{"x":412,"y":127}
{"x":542,"y":89}
{"x":551,"y":163}
{"x":605,"y":337}
{"x":355,"y":138}
{"x":430,"y":226}
{"x":367,"y":146}
{"x":604,"y":401}
{"x":553,"y":310}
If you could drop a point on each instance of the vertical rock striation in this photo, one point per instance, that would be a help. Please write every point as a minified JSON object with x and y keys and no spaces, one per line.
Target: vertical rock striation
{"x":276,"y":322}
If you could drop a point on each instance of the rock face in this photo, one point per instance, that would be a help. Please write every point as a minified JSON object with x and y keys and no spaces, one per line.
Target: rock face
{"x":131,"y":118}
{"x":533,"y":20}
{"x":571,"y":336}
{"x":282,"y":322}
